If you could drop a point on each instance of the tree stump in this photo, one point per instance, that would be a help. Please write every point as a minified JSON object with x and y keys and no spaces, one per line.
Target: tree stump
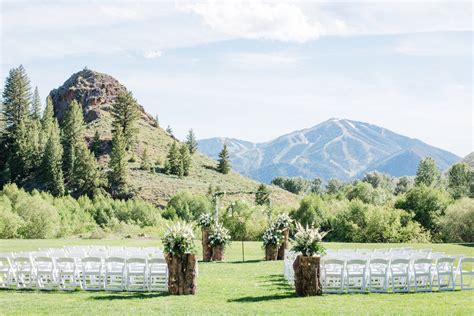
{"x":206,"y":246}
{"x":307,"y":276}
{"x":284,"y":245}
{"x":218,"y":253}
{"x":271,"y":252}
{"x":181,"y":274}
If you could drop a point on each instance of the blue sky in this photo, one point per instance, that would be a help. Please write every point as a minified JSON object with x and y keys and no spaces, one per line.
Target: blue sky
{"x":256,"y":70}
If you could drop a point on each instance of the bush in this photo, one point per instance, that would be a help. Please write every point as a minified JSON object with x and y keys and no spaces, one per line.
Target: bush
{"x":41,"y":220}
{"x":312,"y":211}
{"x":457,"y":224}
{"x":9,"y":221}
{"x":187,"y":207}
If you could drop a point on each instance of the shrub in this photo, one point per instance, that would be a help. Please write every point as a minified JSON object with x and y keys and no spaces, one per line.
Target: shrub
{"x":187,"y":207}
{"x":312,"y":211}
{"x":457,"y":224}
{"x":244,"y":222}
{"x":9,"y":221}
{"x":308,"y":241}
{"x":179,"y":239}
{"x":41,"y":220}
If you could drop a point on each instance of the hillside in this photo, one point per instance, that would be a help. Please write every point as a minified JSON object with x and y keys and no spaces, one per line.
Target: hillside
{"x":96,"y":92}
{"x":337,"y":148}
{"x":469,"y":159}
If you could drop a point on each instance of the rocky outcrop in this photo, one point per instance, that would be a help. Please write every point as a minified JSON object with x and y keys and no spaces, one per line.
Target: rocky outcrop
{"x":95,"y":91}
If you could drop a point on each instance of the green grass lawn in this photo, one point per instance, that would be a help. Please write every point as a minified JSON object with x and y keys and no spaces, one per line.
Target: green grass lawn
{"x":252,"y":287}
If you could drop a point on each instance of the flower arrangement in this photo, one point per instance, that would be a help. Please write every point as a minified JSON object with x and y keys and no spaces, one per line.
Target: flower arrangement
{"x":308,"y":241}
{"x":283,"y":221}
{"x":205,"y":220}
{"x":272,"y":236}
{"x":179,"y":239}
{"x":219,"y":236}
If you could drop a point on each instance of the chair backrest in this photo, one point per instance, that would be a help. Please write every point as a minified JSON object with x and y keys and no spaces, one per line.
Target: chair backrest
{"x":66,"y":263}
{"x":445,"y":264}
{"x":23,"y":263}
{"x":466,"y":264}
{"x":356,"y":262}
{"x":5,"y":263}
{"x":422,"y":265}
{"x":379,"y":261}
{"x":44,"y":262}
{"x":400,"y":264}
{"x":91,"y":264}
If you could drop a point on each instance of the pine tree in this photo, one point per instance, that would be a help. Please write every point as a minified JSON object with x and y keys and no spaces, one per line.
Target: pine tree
{"x":125,"y":114}
{"x":169,"y":130}
{"x":36,"y":105}
{"x":157,"y":121}
{"x":72,"y":136}
{"x":185,"y":159}
{"x":173,"y":162}
{"x":52,"y":163}
{"x":85,"y":179}
{"x":96,"y":144}
{"x":48,"y":116}
{"x":191,"y":142}
{"x":224,"y":162}
{"x":427,"y":173}
{"x":118,"y":164}
{"x":459,"y":177}
{"x":16,"y":97}
{"x":145,"y":161}
{"x":262,"y":196}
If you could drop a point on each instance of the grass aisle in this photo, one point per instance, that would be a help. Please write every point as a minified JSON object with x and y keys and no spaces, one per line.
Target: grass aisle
{"x":252,"y":287}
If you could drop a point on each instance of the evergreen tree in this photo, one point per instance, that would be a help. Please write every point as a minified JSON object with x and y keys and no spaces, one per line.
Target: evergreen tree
{"x":145,"y":161}
{"x":191,"y":142}
{"x":262,"y":196}
{"x":16,"y":98}
{"x":96,"y":144}
{"x":459,"y":180}
{"x":125,"y":114}
{"x":185,"y":159}
{"x":48,"y":116}
{"x":118,"y":164}
{"x":52,"y":172}
{"x":173,"y":162}
{"x":169,"y":130}
{"x":224,"y":162}
{"x":85,"y":179}
{"x":36,"y":105}
{"x":157,"y":121}
{"x":427,"y":173}
{"x":72,"y":136}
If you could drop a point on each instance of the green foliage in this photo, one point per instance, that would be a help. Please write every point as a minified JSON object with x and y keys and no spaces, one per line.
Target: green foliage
{"x":185,"y":159}
{"x":308,"y":241}
{"x":457,"y":224}
{"x":427,"y":173}
{"x":223,"y":165}
{"x":334,"y":186}
{"x":85,"y":178}
{"x":72,"y":136}
{"x":459,"y":180}
{"x":243,"y":221}
{"x":187,"y":207}
{"x":16,"y":98}
{"x":403,"y":185}
{"x":262,"y":196}
{"x":118,"y":173}
{"x":35,"y":105}
{"x":312,"y":212}
{"x":425,"y":203}
{"x":362,"y":191}
{"x":179,"y":239}
{"x":52,"y":172}
{"x":191,"y":142}
{"x":125,"y":114}
{"x":145,"y":161}
{"x":173,"y":163}
{"x":96,"y":146}
{"x":379,"y":180}
{"x":219,"y":236}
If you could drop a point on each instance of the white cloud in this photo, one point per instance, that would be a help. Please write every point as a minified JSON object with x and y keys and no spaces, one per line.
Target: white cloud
{"x":151,"y":54}
{"x":262,"y":59}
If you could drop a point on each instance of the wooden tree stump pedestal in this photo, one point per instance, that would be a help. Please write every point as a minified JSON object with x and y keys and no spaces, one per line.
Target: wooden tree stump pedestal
{"x":218,"y":253}
{"x":271,"y":252}
{"x":284,"y":245}
{"x":182,"y":274}
{"x":307,"y":276}
{"x":206,"y":246}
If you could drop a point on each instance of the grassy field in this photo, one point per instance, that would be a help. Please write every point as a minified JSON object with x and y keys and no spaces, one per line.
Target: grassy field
{"x":234,"y":287}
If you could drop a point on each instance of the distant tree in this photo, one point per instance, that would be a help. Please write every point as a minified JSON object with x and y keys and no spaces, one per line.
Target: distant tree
{"x":262,"y":196}
{"x":157,"y":121}
{"x":52,"y":172}
{"x":316,"y":186}
{"x":36,"y":105}
{"x":427,"y":173}
{"x":191,"y":142}
{"x":403,"y":185}
{"x":312,"y":211}
{"x":334,"y":186}
{"x":125,"y":114}
{"x":185,"y":159}
{"x":224,"y":162}
{"x":85,"y":179}
{"x":379,"y":180}
{"x":72,"y":136}
{"x":362,"y":191}
{"x":294,"y":185}
{"x":173,"y":163}
{"x":16,"y":98}
{"x":48,"y":116}
{"x":459,"y":178}
{"x":145,"y":161}
{"x":169,"y":130}
{"x":96,"y":145}
{"x":118,"y":164}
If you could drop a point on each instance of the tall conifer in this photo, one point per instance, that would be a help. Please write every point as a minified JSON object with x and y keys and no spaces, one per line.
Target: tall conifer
{"x":224,"y":162}
{"x":191,"y":142}
{"x":125,"y":114}
{"x":72,"y":135}
{"x":118,"y":164}
{"x":52,"y":172}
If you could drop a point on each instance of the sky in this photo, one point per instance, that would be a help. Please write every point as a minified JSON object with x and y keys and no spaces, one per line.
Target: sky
{"x":255,"y":70}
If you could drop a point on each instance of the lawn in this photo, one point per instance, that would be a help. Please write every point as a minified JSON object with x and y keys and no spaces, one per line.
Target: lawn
{"x":233,"y":287}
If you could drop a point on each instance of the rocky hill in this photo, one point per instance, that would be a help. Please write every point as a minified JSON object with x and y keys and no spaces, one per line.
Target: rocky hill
{"x":337,"y":148}
{"x":97,"y":92}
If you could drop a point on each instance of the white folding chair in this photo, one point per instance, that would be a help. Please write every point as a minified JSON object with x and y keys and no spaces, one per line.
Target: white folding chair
{"x":445,"y":274}
{"x":45,"y":273}
{"x":136,"y":274}
{"x":356,"y":275}
{"x":400,"y":275}
{"x":378,"y":275}
{"x":6,"y":272}
{"x":423,"y":275}
{"x":68,"y":275}
{"x":25,"y":272}
{"x":333,"y":276}
{"x":466,"y":273}
{"x":92,"y":274}
{"x":157,"y":275}
{"x":114,"y":274}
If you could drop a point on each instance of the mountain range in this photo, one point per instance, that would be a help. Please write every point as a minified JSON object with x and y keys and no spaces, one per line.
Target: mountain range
{"x":337,"y":148}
